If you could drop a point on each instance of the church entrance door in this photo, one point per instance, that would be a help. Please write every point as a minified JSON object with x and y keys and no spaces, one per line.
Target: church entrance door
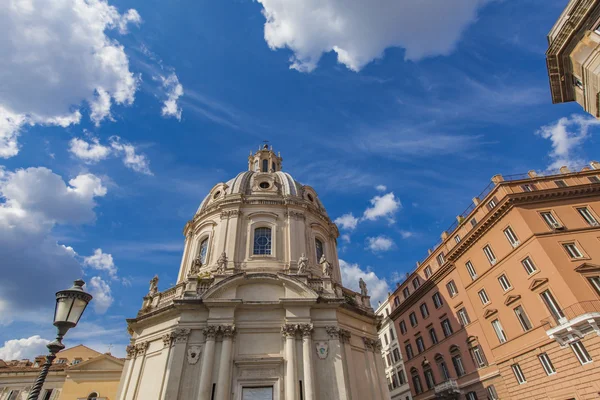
{"x":257,"y":393}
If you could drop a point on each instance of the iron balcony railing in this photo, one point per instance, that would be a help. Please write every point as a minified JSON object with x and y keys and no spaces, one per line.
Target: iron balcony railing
{"x":574,"y":311}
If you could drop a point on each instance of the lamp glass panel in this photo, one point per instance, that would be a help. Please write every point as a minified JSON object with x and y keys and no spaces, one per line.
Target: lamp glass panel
{"x":77,"y":310}
{"x":63,"y":308}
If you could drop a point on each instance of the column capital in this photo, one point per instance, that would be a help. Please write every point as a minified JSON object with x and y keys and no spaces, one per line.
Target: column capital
{"x":140,"y":348}
{"x":345,"y":335}
{"x":372,"y":344}
{"x":228,"y":331}
{"x":306,"y":329}
{"x":210,"y":332}
{"x":289,"y":330}
{"x":130,"y":349}
{"x":176,"y":336}
{"x":333,"y":331}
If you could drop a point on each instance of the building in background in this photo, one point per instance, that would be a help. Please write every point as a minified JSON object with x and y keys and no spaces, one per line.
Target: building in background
{"x":78,"y":373}
{"x":573,"y":56}
{"x":259,"y":310}
{"x":507,"y":305}
{"x":392,"y":357}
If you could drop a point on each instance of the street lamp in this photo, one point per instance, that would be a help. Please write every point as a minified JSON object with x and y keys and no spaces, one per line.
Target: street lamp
{"x":70,"y":305}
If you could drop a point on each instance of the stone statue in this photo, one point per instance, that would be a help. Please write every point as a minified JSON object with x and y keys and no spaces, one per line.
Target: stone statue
{"x":153,"y":286}
{"x":326,"y":265}
{"x":302,"y":265}
{"x":363,"y":287}
{"x":222,"y":263}
{"x":196,"y":265}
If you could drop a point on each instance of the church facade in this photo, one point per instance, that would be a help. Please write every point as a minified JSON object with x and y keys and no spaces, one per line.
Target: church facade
{"x":259,"y":311}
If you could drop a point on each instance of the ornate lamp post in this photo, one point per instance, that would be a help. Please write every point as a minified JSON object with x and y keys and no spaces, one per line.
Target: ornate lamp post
{"x":70,"y":305}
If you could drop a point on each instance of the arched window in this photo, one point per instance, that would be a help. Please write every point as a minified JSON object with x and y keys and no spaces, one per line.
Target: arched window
{"x":262,"y":241}
{"x":444,"y":372}
{"x":256,"y":166}
{"x":265,"y":166}
{"x":92,"y":396}
{"x":319,"y":249}
{"x":416,"y":380}
{"x":203,"y":250}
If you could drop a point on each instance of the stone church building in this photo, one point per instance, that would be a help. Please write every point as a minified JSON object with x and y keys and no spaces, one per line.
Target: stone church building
{"x":259,"y":311}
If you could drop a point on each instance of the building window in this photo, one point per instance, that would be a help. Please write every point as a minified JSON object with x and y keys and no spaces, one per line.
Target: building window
{"x":262,"y":241}
{"x":416,"y":283}
{"x":528,"y":265}
{"x":483,"y":296}
{"x":424,"y":310}
{"x":437,"y":300}
{"x":492,"y":394}
{"x":396,"y":301}
{"x":48,"y":394}
{"x":595,"y":282}
{"x":458,"y":365}
{"x":406,"y":293}
{"x":13,"y":395}
{"x":594,"y":179}
{"x":385,"y":338}
{"x":413,"y":319}
{"x":452,"y":290}
{"x":440,"y":259}
{"x":492,"y":203}
{"x":446,"y":327}
{"x":463,"y":317}
{"x":512,"y":238}
{"x":547,"y":364}
{"x":433,"y":336}
{"x":499,"y":331}
{"x":560,"y":184}
{"x":265,"y":166}
{"x":392,"y":337}
{"x":429,"y":380}
{"x":402,"y":327}
{"x":504,"y":282}
{"x":518,"y":374}
{"x":552,"y":305}
{"x":457,"y":238}
{"x":473,"y":222}
{"x":443,"y":367}
{"x":471,"y":270}
{"x":388,"y":356}
{"x":319,"y":249}
{"x":478,"y":356}
{"x":471,"y":396}
{"x":396,"y":354}
{"x":487,"y":250}
{"x":420,"y":344}
{"x":394,"y":382}
{"x":409,"y":351}
{"x":402,"y":377}
{"x":528,"y":187}
{"x":550,"y":220}
{"x":582,"y":355}
{"x":587,"y":215}
{"x":203,"y":251}
{"x":427,"y":271}
{"x":572,"y":250}
{"x":256,"y":166}
{"x":522,"y":317}
{"x":417,"y":382}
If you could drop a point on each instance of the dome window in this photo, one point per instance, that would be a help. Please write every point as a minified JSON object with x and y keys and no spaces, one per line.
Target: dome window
{"x":217,"y":194}
{"x":264,"y":185}
{"x":319,"y":249}
{"x":262,"y":241}
{"x":310,"y":197}
{"x":265,"y":166}
{"x":203,"y":251}
{"x":256,"y":166}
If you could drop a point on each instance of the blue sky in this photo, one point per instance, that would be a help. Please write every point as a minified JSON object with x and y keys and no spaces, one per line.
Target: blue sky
{"x":117,"y":118}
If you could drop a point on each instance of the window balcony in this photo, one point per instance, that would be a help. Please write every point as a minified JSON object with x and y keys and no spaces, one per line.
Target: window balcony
{"x":447,"y":390}
{"x":576,"y":321}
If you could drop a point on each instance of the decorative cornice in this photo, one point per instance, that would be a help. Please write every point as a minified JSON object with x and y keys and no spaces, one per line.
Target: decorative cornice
{"x":536,"y":283}
{"x":230,"y":214}
{"x":489,"y":312}
{"x":511,"y":299}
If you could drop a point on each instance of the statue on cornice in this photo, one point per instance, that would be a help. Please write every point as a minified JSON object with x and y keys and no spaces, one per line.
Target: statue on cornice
{"x":326,"y":265}
{"x":153,"y":286}
{"x":363,"y":287}
{"x":196,"y":265}
{"x":302,"y":265}
{"x":222,"y":263}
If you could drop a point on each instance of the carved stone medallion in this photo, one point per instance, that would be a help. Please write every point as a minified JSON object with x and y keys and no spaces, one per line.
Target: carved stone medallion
{"x":193,"y":354}
{"x":322,"y":349}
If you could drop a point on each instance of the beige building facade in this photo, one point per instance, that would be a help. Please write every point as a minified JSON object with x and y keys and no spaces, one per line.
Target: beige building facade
{"x":78,"y":373}
{"x":259,"y":311}
{"x":573,"y":56}
{"x":507,"y":305}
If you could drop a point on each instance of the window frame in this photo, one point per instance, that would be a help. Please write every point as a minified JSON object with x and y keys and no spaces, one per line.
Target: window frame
{"x":459,"y":367}
{"x":552,"y":305}
{"x":590,"y":218}
{"x":457,"y":238}
{"x":433,"y":336}
{"x":487,"y":298}
{"x":523,"y":319}
{"x":504,"y":282}
{"x":511,"y":236}
{"x":444,"y":323}
{"x":528,"y":260}
{"x":318,"y":240}
{"x":552,"y":222}
{"x":422,"y":307}
{"x":492,"y":394}
{"x":271,"y":241}
{"x":471,"y":270}
{"x":569,"y":247}
{"x":546,"y":364}
{"x":594,"y":281}
{"x":451,"y":285}
{"x":420,"y":344}
{"x":428,"y":373}
{"x":437,"y":300}
{"x":562,"y":183}
{"x":441,"y":259}
{"x":416,"y":282}
{"x":463,"y":317}
{"x":409,"y":351}
{"x":581,"y":352}
{"x":499,"y":330}
{"x":412,"y":316}
{"x":519,"y":375}
{"x":428,"y":272}
{"x":489,"y":254}
{"x":478,"y":356}
{"x":402,"y":325}
{"x":406,"y":292}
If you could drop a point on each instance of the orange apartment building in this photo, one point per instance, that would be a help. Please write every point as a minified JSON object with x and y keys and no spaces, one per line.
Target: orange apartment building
{"x":507,"y":305}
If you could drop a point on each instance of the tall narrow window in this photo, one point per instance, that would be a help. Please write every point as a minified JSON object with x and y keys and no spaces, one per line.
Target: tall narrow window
{"x":587,"y":215}
{"x":416,"y":283}
{"x":420,"y":344}
{"x":489,"y":254}
{"x":492,"y":394}
{"x":452,"y":290}
{"x":594,"y":179}
{"x":319,"y":249}
{"x":528,"y":265}
{"x":512,"y":238}
{"x":582,"y":355}
{"x":203,"y":251}
{"x":427,"y":271}
{"x":560,"y":184}
{"x":417,"y":382}
{"x":441,"y":259}
{"x":572,"y":250}
{"x":429,"y":380}
{"x":492,"y":203}
{"x":504,"y":282}
{"x":403,"y":327}
{"x":473,"y":222}
{"x":406,"y":292}
{"x":48,"y":394}
{"x":550,"y":220}
{"x":385,"y":338}
{"x":547,"y":364}
{"x":528,"y":187}
{"x":402,"y":377}
{"x":483,"y":297}
{"x":409,"y":351}
{"x":265,"y":166}
{"x":595,"y":282}
{"x":499,"y":330}
{"x":478,"y":356}
{"x":522,"y":317}
{"x":424,"y":310}
{"x":262,"y":241}
{"x":433,"y":336}
{"x":552,"y":305}
{"x":457,"y":238}
{"x":396,"y":301}
{"x":396,"y":354}
{"x":413,"y":319}
{"x":518,"y":374}
{"x":471,"y":270}
{"x":463,"y":317}
{"x":273,"y":167}
{"x":444,"y":372}
{"x":437,"y":300}
{"x":446,"y":327}
{"x":472,"y":396}
{"x":392,"y":336}
{"x":458,"y":365}
{"x":256,"y":166}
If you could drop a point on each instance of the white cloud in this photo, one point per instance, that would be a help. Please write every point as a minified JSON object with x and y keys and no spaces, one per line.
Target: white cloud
{"x":26,"y":348}
{"x":381,"y":188}
{"x":567,"y":135}
{"x":378,"y":288}
{"x":174,"y":91}
{"x":384,"y":206}
{"x":347,"y":221}
{"x":102,"y":262}
{"x":406,"y":234}
{"x":35,"y":200}
{"x":380,"y":243}
{"x":346,"y":238}
{"x":359,"y":31}
{"x":102,"y":294}
{"x":93,"y":151}
{"x":56,"y":56}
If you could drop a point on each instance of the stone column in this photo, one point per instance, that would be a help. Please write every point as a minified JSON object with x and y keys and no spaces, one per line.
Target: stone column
{"x":207,"y":363}
{"x":176,"y":343}
{"x":224,"y":379}
{"x":309,"y":387}
{"x":338,"y":361}
{"x":289,"y":333}
{"x":370,"y":349}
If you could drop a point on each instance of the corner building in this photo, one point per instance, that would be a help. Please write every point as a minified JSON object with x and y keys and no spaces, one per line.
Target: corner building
{"x":259,"y":311}
{"x":507,"y":305}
